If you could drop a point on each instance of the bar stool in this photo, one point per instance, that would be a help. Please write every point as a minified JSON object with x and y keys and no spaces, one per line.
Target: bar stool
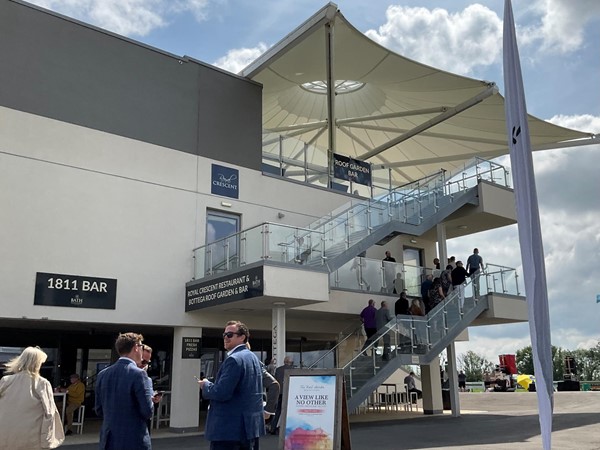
{"x":163,"y":412}
{"x":78,"y":418}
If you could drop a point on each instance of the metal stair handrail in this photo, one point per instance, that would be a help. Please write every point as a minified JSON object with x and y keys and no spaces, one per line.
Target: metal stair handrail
{"x":355,"y":330}
{"x":364,"y":373}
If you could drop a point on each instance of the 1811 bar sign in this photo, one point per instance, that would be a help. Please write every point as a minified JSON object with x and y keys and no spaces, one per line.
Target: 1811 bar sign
{"x":190,"y":348}
{"x":55,"y":289}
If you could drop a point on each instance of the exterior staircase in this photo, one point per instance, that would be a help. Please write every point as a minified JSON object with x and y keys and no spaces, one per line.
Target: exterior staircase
{"x":413,"y":340}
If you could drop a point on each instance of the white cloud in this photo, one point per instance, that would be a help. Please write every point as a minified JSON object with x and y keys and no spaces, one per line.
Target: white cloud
{"x":562,"y":24}
{"x":127,"y":17}
{"x":237,"y":59}
{"x":457,"y":42}
{"x":462,"y":41}
{"x":584,"y":122}
{"x":199,"y":8}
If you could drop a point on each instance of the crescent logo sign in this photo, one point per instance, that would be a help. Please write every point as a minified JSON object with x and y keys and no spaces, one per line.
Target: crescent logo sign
{"x":224,"y":181}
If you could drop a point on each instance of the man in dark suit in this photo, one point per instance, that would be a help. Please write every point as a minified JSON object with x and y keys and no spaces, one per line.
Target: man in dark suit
{"x":124,"y":398}
{"x":235,"y":417}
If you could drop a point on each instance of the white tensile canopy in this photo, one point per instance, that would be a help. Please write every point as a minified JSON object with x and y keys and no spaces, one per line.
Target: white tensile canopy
{"x":391,"y":111}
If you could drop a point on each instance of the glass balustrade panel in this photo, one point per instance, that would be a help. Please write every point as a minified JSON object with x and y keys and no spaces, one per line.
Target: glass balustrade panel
{"x":200,"y":269}
{"x":252,"y":244}
{"x":453,"y":310}
{"x":420,"y":339}
{"x":412,"y":280}
{"x":336,"y":236}
{"x":437,"y":325}
{"x":393,"y":277}
{"x":372,"y":274}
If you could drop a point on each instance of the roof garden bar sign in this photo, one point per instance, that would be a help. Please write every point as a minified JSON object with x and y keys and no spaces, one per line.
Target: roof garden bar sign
{"x":229,"y":288}
{"x":224,"y":181}
{"x":350,"y":169}
{"x":54,"y":289}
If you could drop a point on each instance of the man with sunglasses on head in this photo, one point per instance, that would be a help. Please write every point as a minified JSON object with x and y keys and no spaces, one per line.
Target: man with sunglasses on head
{"x":144,"y":364}
{"x":235,"y":416}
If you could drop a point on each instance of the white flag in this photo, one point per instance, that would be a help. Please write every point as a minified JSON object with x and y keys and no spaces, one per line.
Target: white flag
{"x":530,"y":235}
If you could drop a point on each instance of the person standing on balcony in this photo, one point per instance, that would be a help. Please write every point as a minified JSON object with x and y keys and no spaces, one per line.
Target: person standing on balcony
{"x":446,"y":279}
{"x":389,"y":271}
{"x":436,"y":268}
{"x":402,"y":305}
{"x":416,"y":308}
{"x":425,"y":287}
{"x":382,"y":318}
{"x":459,"y":276}
{"x":473,"y":264}
{"x":436,"y":294}
{"x":367,"y":317}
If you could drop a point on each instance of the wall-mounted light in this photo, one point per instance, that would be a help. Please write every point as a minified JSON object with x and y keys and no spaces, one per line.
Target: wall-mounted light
{"x":226,"y":204}
{"x":413,"y":241}
{"x":280,"y":215}
{"x":462,"y":227}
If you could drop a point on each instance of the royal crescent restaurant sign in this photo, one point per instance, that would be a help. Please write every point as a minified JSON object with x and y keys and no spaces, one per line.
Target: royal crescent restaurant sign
{"x":224,"y":181}
{"x":355,"y":170}
{"x":55,"y":289}
{"x":230,"y":288}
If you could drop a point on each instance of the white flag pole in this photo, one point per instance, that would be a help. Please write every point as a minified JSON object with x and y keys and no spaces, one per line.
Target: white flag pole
{"x":530,"y":235}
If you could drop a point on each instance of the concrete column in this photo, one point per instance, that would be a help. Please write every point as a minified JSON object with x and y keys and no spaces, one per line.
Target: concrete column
{"x":441,"y":241}
{"x":278,"y":333}
{"x":185,"y":393}
{"x":453,"y":380}
{"x":432,"y":388}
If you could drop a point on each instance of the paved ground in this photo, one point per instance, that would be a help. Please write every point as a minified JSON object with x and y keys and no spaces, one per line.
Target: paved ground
{"x":488,"y":421}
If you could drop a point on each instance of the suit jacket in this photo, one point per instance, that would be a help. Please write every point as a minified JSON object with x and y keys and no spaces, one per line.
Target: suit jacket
{"x":124,"y":401}
{"x":272,"y":387}
{"x":280,"y":374}
{"x":236,"y":406}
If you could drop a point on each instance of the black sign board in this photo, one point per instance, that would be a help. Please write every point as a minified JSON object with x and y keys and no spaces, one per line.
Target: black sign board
{"x":54,"y":289}
{"x":230,"y":288}
{"x":350,"y":169}
{"x":190,"y":348}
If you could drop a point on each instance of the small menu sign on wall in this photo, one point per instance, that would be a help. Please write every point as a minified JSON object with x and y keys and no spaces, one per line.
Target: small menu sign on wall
{"x":190,"y":348}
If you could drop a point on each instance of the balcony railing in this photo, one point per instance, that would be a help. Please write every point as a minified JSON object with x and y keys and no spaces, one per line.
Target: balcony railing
{"x":374,"y":275}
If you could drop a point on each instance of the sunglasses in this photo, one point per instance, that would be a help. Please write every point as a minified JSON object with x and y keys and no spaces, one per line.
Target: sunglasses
{"x":230,"y":334}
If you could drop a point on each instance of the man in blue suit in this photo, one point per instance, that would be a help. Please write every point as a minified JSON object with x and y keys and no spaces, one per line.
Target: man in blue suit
{"x":235,"y":417}
{"x":124,"y":398}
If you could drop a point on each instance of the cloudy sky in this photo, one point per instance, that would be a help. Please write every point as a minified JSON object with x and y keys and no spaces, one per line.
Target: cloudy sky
{"x":559,"y":43}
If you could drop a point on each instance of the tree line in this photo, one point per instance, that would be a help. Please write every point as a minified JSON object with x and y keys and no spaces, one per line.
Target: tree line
{"x":475,"y":365}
